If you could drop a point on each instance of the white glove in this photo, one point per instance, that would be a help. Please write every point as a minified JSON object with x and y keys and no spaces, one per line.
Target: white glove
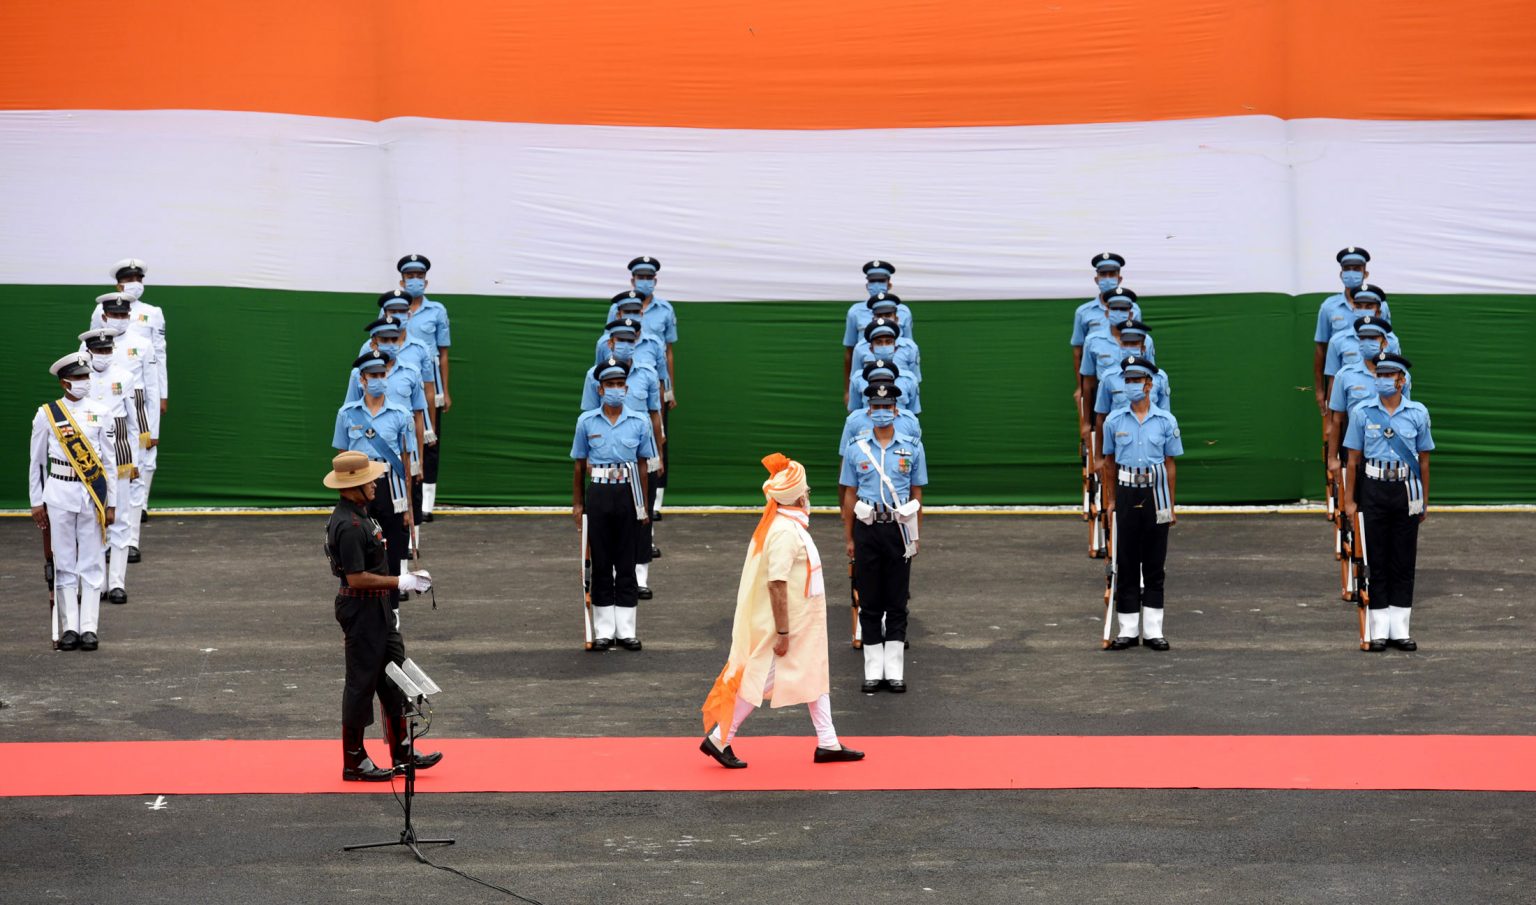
{"x":416,"y":582}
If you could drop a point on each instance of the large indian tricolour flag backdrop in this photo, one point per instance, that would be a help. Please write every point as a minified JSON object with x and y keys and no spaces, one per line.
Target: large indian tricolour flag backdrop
{"x":272,"y":160}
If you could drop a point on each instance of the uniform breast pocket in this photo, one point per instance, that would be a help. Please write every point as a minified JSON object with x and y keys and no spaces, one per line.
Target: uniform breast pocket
{"x":1358,"y":392}
{"x":1410,"y":435}
{"x":629,"y":441}
{"x":1372,"y":432}
{"x":355,"y":431}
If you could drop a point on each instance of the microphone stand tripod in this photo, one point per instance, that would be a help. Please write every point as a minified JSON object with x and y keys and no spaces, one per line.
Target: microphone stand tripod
{"x":408,"y":836}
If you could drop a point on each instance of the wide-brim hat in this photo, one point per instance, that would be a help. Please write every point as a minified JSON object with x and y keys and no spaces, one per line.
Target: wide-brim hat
{"x":353,"y":469}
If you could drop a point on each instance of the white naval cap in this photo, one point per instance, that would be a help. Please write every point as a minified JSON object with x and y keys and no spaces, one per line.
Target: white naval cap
{"x":128,"y":264}
{"x":100,"y":335}
{"x":75,"y":364}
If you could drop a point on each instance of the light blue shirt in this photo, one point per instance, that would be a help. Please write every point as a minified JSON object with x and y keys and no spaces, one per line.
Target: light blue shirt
{"x":1091,"y":317}
{"x":1102,"y":352}
{"x":1139,"y":443}
{"x":1369,"y":424}
{"x":642,"y":386}
{"x":902,"y":460}
{"x":907,"y":357}
{"x":1336,"y":313}
{"x":1344,"y":349}
{"x":402,"y":385}
{"x":415,"y":353}
{"x":906,"y":423}
{"x":909,"y":394}
{"x":601,"y":443}
{"x":1112,"y":391}
{"x":658,"y":317}
{"x":648,"y":351}
{"x":393,"y":424}
{"x":429,"y":324}
{"x":1354,"y":384}
{"x":859,"y":317}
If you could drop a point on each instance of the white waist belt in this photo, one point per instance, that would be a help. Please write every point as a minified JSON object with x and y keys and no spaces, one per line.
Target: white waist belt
{"x":610,"y":472}
{"x":1137,"y":477}
{"x":1386,"y":471}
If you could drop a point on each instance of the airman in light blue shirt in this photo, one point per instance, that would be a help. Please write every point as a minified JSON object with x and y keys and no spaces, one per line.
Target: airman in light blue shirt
{"x":1344,"y":346}
{"x":649,"y":349}
{"x":862,"y":420}
{"x":1337,"y":312}
{"x":601,"y":442}
{"x":879,"y":370}
{"x":901,"y":457}
{"x":881,"y":340}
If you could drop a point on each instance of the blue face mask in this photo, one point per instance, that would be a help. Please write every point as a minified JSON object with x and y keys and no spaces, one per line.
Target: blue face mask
{"x":1386,"y":386}
{"x":1127,"y":351}
{"x":1108,"y":284}
{"x":1352,"y":279}
{"x":375,"y":387}
{"x":613,"y":397}
{"x":1370,"y":348}
{"x":623,"y":351}
{"x":645,"y":287}
{"x":1135,"y":392}
{"x":884,"y":350}
{"x":876,"y":288}
{"x":390,"y":349}
{"x":415,"y":287}
{"x":883,"y":416}
{"x":1119,"y":315}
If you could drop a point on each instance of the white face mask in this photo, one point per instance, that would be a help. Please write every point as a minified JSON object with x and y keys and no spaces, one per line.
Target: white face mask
{"x":133,"y":290}
{"x":78,"y":388}
{"x":100,"y":362}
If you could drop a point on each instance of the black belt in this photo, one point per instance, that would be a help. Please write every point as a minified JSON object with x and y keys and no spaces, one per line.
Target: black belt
{"x":345,"y":591}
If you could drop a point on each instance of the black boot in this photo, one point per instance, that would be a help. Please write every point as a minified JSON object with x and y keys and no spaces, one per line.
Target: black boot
{"x":355,"y":765}
{"x":396,"y":733}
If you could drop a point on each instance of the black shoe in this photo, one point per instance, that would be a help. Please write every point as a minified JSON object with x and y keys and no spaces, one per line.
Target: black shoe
{"x":143,"y":517}
{"x":602,"y":644}
{"x":871,"y":686}
{"x":655,"y":552}
{"x":1156,"y":643}
{"x":837,"y":755}
{"x":1407,"y":644}
{"x":896,"y":686}
{"x":364,"y":771}
{"x":629,"y":643}
{"x":404,"y":596}
{"x":1375,"y":647}
{"x":1122,"y":643}
{"x":423,"y":762}
{"x":427,"y":517}
{"x":645,"y":593}
{"x":724,"y":757}
{"x":88,"y":641}
{"x":133,"y":555}
{"x":117,"y":596}
{"x":656,"y":516}
{"x":69,"y":641}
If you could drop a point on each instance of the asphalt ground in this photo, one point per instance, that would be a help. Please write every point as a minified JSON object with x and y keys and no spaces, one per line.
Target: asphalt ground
{"x":229,"y":634}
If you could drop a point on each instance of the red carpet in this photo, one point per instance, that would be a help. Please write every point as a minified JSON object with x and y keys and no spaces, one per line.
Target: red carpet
{"x":1366,"y":762}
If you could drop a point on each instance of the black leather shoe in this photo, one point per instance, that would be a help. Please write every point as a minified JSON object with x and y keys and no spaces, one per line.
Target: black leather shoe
{"x":602,"y":644}
{"x":871,"y":686}
{"x":423,"y":762}
{"x":88,"y":641}
{"x":69,"y":641}
{"x":645,"y":593}
{"x":1156,"y":643}
{"x":1122,"y":643}
{"x":837,"y":755}
{"x":655,"y":552}
{"x":133,"y":555}
{"x":365,"y":771}
{"x":724,"y":757}
{"x":1407,"y":644}
{"x":117,"y":596}
{"x":404,"y":596}
{"x":1375,"y":647}
{"x":896,"y":686}
{"x":143,"y":517}
{"x":427,"y":517}
{"x":629,"y":643}
{"x":656,"y":516}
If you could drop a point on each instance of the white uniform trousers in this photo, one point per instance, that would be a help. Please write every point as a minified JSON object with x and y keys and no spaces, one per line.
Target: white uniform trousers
{"x":821,"y":718}
{"x":77,"y":568}
{"x":139,"y":498}
{"x":120,"y":535}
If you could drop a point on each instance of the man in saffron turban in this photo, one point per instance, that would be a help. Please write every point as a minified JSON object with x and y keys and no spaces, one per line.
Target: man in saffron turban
{"x":779,"y":641}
